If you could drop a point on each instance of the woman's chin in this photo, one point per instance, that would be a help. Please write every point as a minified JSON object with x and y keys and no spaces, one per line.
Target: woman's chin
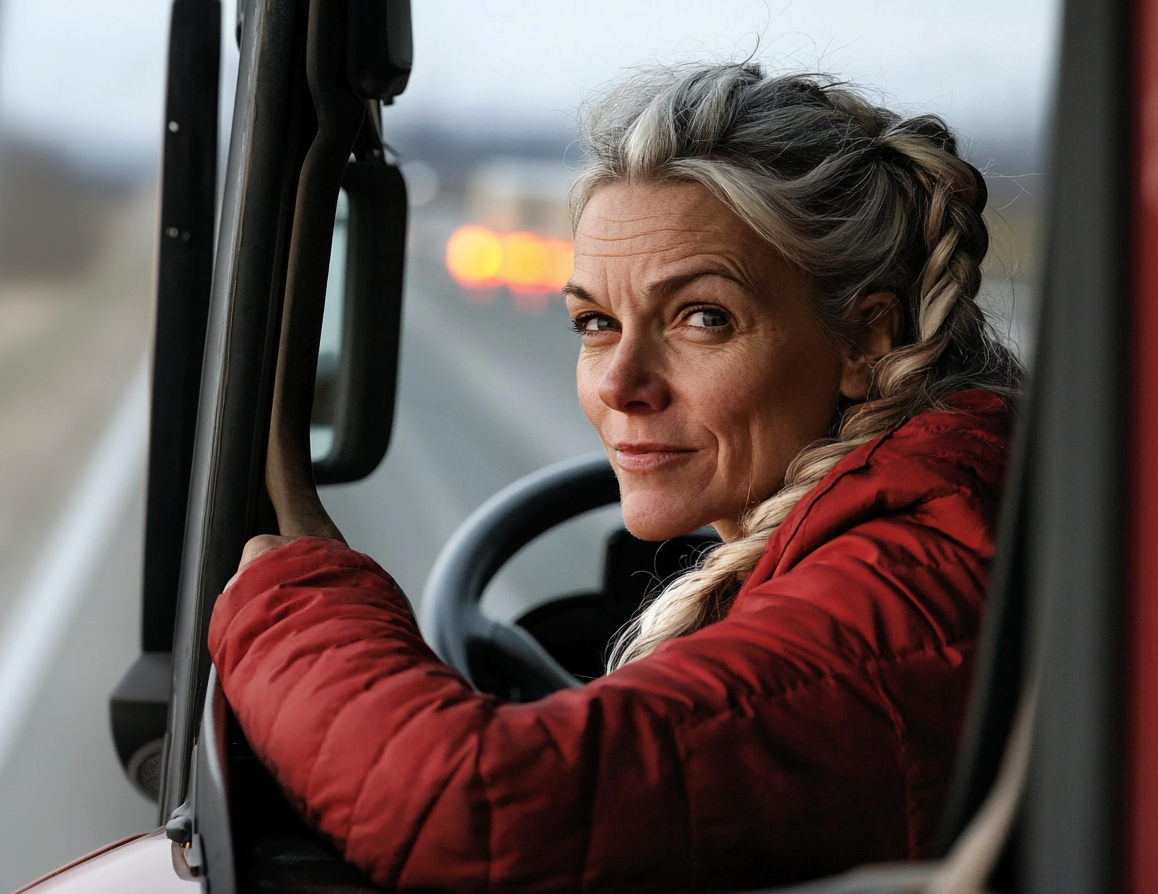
{"x":651,"y":522}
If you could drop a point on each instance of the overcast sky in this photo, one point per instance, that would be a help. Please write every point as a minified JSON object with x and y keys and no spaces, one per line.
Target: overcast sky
{"x":88,"y":73}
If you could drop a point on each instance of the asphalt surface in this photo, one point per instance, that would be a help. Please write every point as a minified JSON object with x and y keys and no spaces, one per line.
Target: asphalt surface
{"x":68,"y":348}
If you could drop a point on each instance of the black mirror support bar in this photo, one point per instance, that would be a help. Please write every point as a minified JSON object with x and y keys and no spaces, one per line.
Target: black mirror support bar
{"x":139,"y":702}
{"x":184,"y":279}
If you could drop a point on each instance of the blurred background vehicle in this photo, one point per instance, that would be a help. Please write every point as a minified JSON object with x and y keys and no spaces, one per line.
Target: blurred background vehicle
{"x":486,"y":388}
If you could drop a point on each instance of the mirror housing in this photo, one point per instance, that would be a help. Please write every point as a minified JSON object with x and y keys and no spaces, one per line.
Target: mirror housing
{"x":362,"y":387}
{"x":379,"y":48}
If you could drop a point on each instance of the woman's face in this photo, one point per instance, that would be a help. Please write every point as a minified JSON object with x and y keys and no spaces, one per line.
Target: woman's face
{"x":701,"y":366}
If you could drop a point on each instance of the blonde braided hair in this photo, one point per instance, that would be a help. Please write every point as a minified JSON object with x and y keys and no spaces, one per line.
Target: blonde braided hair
{"x":857,"y":198}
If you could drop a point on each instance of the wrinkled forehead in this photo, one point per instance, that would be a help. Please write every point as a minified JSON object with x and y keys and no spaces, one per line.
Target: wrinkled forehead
{"x":657,"y":238}
{"x":655,"y":223}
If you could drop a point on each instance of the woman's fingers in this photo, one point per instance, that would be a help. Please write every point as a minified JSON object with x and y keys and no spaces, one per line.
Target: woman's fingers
{"x":254,"y":548}
{"x":260,"y":544}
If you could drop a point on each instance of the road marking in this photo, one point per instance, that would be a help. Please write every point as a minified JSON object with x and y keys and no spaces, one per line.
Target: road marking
{"x":51,"y":593}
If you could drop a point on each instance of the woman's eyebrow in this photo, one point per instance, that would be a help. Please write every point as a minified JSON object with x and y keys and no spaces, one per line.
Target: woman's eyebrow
{"x":570,"y":289}
{"x":672,"y":284}
{"x":660,"y":288}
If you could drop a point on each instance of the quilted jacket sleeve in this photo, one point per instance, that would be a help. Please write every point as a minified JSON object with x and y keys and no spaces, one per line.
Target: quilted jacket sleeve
{"x":741,"y":755}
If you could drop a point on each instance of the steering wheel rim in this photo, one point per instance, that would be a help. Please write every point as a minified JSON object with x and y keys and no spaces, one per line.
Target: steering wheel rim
{"x":451,"y":612}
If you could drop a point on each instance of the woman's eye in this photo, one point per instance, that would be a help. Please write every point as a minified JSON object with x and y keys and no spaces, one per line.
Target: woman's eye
{"x":707,"y":318}
{"x":591,"y":323}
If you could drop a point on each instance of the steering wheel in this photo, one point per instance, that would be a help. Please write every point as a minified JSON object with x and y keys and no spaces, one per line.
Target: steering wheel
{"x":482,"y":648}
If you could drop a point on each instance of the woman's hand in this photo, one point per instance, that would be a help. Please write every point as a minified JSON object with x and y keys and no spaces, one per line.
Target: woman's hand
{"x":255,"y":547}
{"x":260,"y":544}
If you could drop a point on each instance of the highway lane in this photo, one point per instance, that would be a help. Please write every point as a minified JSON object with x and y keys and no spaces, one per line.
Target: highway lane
{"x":62,"y":791}
{"x":70,"y":598}
{"x":67,"y":349}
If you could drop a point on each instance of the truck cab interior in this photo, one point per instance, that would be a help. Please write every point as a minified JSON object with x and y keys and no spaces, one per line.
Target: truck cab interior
{"x":1057,"y":772}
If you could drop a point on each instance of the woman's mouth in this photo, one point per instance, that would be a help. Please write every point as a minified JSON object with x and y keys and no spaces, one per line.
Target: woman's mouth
{"x":648,"y":457}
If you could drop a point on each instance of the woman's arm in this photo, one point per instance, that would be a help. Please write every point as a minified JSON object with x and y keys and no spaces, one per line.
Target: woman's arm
{"x":737,"y":756}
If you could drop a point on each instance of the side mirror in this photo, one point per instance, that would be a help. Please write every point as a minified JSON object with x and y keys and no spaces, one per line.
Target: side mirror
{"x":354,"y":392}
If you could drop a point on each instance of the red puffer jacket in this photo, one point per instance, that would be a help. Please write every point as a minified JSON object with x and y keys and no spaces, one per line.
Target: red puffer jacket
{"x":812,"y":729}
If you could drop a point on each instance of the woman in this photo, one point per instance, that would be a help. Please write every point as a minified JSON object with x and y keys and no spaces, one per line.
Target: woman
{"x":774,"y":291}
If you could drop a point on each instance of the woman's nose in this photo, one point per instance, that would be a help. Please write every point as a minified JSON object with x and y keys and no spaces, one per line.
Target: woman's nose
{"x":633,"y":380}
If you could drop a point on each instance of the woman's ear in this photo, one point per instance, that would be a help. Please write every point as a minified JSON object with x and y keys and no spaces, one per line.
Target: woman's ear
{"x":875,"y":327}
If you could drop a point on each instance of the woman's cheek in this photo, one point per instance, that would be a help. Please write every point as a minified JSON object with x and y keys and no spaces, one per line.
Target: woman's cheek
{"x":587,"y":383}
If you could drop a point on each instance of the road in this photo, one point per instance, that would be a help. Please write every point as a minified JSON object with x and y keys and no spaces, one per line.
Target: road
{"x":68,"y":349}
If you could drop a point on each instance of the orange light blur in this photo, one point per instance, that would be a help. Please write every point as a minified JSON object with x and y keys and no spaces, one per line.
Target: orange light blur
{"x":473,"y":255}
{"x":528,"y":264}
{"x":524,"y":261}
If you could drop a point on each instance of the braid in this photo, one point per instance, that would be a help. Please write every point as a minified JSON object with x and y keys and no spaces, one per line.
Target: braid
{"x":950,"y":330}
{"x":860,"y":200}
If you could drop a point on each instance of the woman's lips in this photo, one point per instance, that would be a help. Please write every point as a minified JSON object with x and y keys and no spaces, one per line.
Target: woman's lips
{"x":649,"y":457}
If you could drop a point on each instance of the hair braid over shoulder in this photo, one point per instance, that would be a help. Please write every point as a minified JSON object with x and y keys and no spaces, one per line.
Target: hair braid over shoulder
{"x":857,"y":198}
